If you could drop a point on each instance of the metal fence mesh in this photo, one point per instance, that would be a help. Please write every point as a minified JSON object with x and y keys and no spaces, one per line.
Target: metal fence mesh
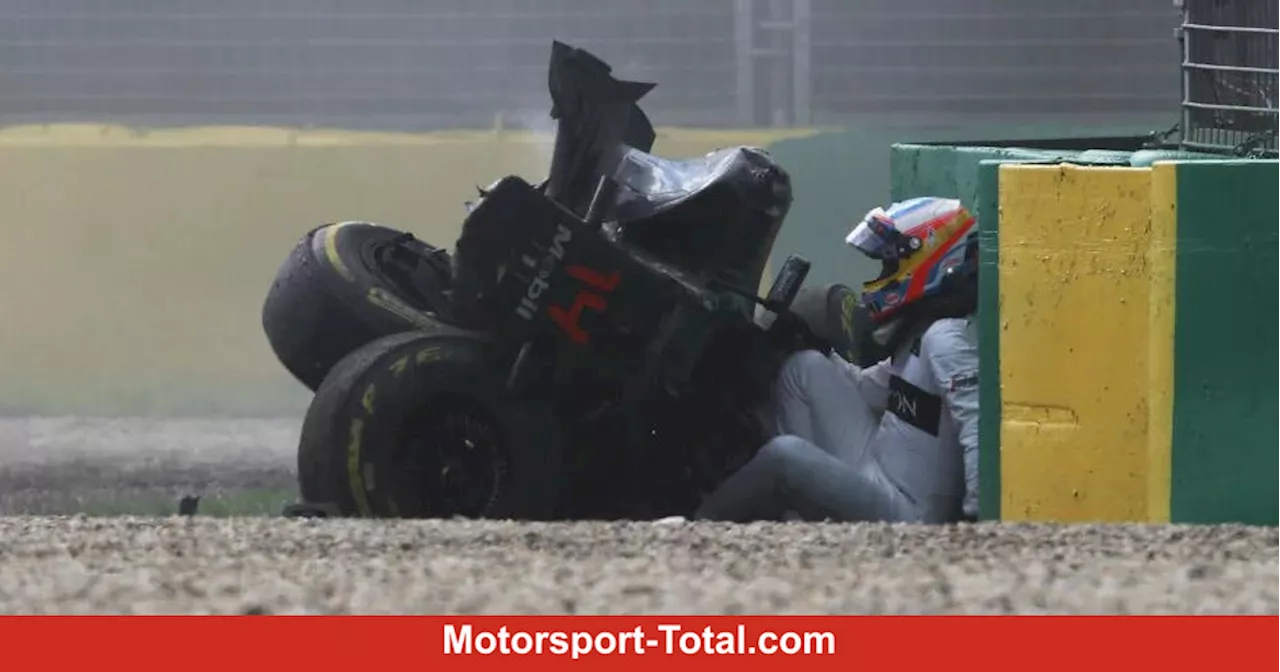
{"x":1231,"y":68}
{"x":944,"y":59}
{"x":415,"y":64}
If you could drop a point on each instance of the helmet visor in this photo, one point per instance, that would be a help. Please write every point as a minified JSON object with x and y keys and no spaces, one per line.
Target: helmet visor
{"x":874,"y":238}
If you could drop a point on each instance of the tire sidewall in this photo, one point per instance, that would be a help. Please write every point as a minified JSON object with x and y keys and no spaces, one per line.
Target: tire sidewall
{"x":344,"y":251}
{"x":399,"y":381}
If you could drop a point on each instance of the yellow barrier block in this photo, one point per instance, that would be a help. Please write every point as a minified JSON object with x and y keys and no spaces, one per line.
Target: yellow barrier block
{"x":1162,"y":255}
{"x":1075,"y":285}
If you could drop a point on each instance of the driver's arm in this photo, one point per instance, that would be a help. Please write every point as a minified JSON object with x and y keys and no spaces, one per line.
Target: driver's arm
{"x":872,"y":381}
{"x":951,"y":347}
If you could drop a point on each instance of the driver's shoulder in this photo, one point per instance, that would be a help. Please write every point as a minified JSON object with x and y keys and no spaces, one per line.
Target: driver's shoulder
{"x":950,"y":334}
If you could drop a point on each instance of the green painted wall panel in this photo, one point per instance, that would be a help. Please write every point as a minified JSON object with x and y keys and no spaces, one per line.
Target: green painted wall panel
{"x":1225,"y":347}
{"x":952,"y":172}
{"x":987,"y":212}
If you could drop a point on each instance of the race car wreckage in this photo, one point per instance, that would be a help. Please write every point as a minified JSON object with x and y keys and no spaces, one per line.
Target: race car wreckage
{"x":593,"y":347}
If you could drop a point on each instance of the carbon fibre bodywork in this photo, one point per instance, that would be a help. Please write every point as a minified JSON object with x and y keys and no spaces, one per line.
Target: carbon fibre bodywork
{"x":632,"y":306}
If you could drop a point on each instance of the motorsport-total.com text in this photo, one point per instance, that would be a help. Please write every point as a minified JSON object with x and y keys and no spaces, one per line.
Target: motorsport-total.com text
{"x":669,"y":639}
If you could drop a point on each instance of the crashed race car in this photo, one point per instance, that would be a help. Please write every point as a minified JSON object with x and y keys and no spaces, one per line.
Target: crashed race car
{"x":593,"y":348}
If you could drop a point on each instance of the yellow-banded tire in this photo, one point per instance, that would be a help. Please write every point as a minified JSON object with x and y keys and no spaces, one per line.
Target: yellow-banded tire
{"x":346,"y":284}
{"x":419,"y":426}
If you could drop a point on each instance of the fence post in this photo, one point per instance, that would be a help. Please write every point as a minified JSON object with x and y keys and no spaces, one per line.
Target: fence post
{"x":1184,"y":122}
{"x":744,"y":45}
{"x":802,"y":65}
{"x":1230,"y":76}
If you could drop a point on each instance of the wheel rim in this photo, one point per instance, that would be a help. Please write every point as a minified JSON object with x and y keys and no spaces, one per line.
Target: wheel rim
{"x":398,"y":265}
{"x":451,"y":461}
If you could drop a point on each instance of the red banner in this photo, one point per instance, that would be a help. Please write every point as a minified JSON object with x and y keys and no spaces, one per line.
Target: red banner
{"x":665,"y":644}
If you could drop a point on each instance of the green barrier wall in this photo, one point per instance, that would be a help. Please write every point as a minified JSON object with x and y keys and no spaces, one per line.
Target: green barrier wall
{"x":953,"y":172}
{"x":987,"y":212}
{"x":1224,"y":460}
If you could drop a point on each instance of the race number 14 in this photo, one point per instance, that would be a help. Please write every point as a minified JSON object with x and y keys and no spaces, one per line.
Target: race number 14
{"x":568,"y":319}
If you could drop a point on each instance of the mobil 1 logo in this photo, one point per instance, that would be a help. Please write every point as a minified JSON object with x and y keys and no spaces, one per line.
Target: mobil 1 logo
{"x":541,"y":270}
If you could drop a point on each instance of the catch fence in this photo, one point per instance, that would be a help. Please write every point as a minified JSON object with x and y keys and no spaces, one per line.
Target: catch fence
{"x":425,"y":64}
{"x":1230,"y":72}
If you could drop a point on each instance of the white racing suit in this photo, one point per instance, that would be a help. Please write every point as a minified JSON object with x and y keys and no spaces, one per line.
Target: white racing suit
{"x":897,"y":441}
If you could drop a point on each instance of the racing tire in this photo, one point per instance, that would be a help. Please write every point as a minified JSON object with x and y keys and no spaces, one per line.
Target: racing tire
{"x":346,"y":284}
{"x":835,"y":314}
{"x":415,"y":425}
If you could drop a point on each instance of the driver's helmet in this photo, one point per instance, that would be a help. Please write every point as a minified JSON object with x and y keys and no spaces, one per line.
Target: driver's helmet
{"x":920,"y":243}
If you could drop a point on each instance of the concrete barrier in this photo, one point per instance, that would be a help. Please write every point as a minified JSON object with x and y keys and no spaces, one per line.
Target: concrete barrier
{"x":136,"y":263}
{"x":971,"y":174}
{"x":1074,"y":288}
{"x":1136,"y":334}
